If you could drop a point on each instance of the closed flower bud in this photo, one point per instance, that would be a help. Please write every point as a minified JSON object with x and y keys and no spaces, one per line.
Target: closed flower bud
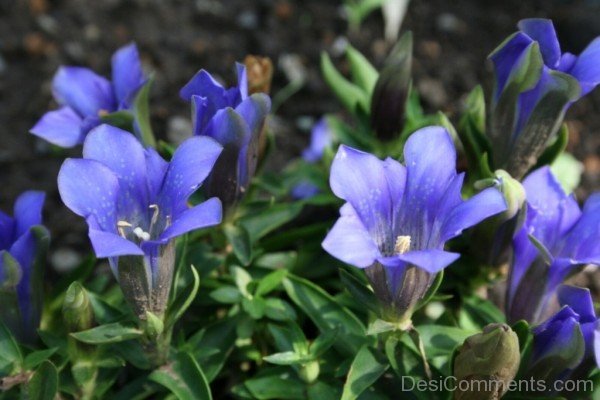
{"x":488,"y":361}
{"x":77,"y":310}
{"x":391,"y":90}
{"x":260,"y":74}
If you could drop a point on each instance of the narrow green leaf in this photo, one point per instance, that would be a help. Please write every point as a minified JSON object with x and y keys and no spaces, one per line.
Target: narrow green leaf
{"x":242,"y":279}
{"x":270,"y":282}
{"x":184,"y":378}
{"x":279,"y":310}
{"x":326,"y":313}
{"x":363,"y":72}
{"x":109,"y":333}
{"x":280,"y":387}
{"x":226,"y":295}
{"x":183,"y":300}
{"x":261,"y":223}
{"x":287,"y":358}
{"x":240,"y":242}
{"x":141,"y":107}
{"x":359,"y":291}
{"x":366,"y":369}
{"x":350,"y":95}
{"x":35,"y":358}
{"x":44,"y":382}
{"x":10,"y":353}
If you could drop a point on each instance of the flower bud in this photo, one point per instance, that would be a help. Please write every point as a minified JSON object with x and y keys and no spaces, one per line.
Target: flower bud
{"x":488,"y":361}
{"x":77,"y":310}
{"x":391,"y":90}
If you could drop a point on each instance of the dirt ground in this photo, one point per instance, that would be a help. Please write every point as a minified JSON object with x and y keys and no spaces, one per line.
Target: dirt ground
{"x":178,"y":37}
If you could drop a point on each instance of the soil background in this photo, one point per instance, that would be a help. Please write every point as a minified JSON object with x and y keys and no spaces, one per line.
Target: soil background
{"x":176,"y":38}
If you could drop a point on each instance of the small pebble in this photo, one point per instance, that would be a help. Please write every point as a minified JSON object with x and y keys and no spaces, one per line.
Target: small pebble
{"x":65,"y":259}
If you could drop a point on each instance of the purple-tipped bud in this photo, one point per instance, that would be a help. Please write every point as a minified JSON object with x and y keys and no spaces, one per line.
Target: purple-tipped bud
{"x":391,"y":90}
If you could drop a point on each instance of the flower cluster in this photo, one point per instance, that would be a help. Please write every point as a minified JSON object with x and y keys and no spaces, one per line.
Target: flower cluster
{"x":86,"y":97}
{"x":234,"y":119}
{"x":535,"y":84}
{"x":556,"y":238}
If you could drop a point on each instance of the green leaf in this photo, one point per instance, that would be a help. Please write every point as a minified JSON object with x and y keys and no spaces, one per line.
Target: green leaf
{"x":184,"y":378}
{"x":141,"y":108}
{"x":280,"y":387}
{"x":261,"y":223}
{"x":109,"y":333}
{"x":240,"y":242}
{"x":287,"y":358}
{"x":279,"y":310}
{"x":242,"y":279}
{"x":120,"y":119}
{"x":270,"y":282}
{"x":322,"y":343}
{"x":351,"y":96}
{"x":441,"y":340}
{"x":326,"y":313}
{"x":10,"y":353}
{"x":35,"y":358}
{"x":365,"y":370}
{"x":359,"y":291}
{"x":226,"y":295}
{"x":221,"y":336}
{"x":255,"y":307}
{"x":44,"y":382}
{"x":567,"y":170}
{"x":481,"y":312}
{"x":363,"y":73}
{"x":380,"y":326}
{"x":183,"y":300}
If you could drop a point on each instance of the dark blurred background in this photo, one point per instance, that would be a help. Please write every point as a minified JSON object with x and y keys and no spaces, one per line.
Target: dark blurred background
{"x":178,"y":37}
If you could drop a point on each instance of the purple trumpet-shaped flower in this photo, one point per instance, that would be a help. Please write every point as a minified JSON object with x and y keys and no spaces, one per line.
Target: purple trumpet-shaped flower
{"x":397,"y":218}
{"x":236,"y":121}
{"x":568,"y":340}
{"x":320,"y":139}
{"x":23,"y":245}
{"x":135,"y":203}
{"x":535,"y":84}
{"x":556,"y":238}
{"x":85,"y":97}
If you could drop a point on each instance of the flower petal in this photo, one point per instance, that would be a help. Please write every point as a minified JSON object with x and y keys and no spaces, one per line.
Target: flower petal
{"x":203,"y":84}
{"x":469,"y":213}
{"x":7,"y":228}
{"x":242,"y":78}
{"x":201,"y":216}
{"x":583,"y":241}
{"x":508,"y":57}
{"x":156,"y":169}
{"x":597,"y":345}
{"x":586,"y":69}
{"x":127,"y":73}
{"x":61,"y":127}
{"x":83,"y":90}
{"x":579,"y":299}
{"x":88,"y":187}
{"x":192,"y":162}
{"x":320,"y":139}
{"x":28,"y":210}
{"x":432,"y":261}
{"x":542,"y":31}
{"x":430,"y":159}
{"x":349,"y":240}
{"x":120,"y":151}
{"x":107,"y":244}
{"x":360,"y":179}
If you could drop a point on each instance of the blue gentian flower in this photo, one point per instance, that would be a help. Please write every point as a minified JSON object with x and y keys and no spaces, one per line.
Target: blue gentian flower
{"x":85,"y":97}
{"x":135,"y":203}
{"x":22,"y":249}
{"x":584,"y":67}
{"x":569,"y":339}
{"x":236,"y":121}
{"x":556,"y":238}
{"x":320,"y":139}
{"x":540,"y":107}
{"x":397,"y":218}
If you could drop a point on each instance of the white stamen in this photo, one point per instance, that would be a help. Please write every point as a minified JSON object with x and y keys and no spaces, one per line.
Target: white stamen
{"x":139,"y":232}
{"x":402,"y":245}
{"x":120,"y":227}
